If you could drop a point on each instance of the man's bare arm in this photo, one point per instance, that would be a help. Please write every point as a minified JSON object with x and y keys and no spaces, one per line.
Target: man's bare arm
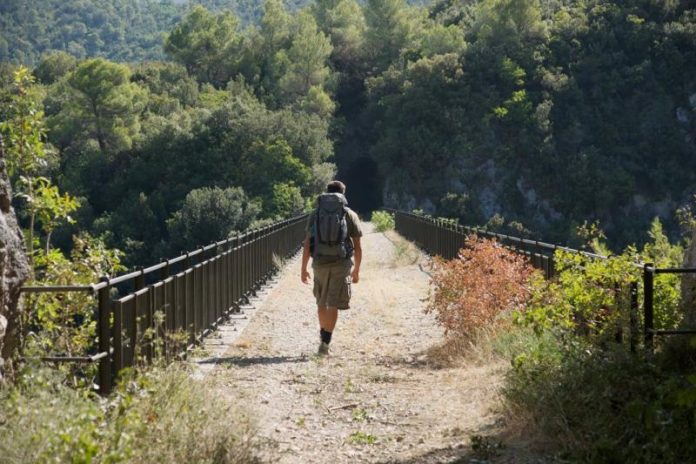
{"x":358,"y":259}
{"x":304,"y":273}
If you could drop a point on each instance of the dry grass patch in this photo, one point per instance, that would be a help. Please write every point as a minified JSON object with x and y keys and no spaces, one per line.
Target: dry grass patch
{"x":405,"y":253}
{"x":161,"y":415}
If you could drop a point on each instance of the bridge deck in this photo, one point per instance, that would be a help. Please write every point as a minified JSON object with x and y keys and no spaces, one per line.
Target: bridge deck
{"x":376,"y":385}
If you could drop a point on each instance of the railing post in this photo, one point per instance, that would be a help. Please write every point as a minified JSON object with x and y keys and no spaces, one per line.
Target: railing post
{"x":164,"y":272}
{"x":139,"y":281}
{"x":648,"y":281}
{"x":633,"y":317}
{"x":618,"y":336}
{"x":103,"y":335}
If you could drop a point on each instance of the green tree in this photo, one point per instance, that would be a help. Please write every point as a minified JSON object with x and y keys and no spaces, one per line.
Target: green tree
{"x":344,"y":23}
{"x":438,"y":39}
{"x":275,"y":159}
{"x":286,"y":201}
{"x":47,"y":205}
{"x":66,"y":322}
{"x":275,"y":27}
{"x":307,"y":59}
{"x":54,"y":66}
{"x":169,"y":86}
{"x":24,"y":128}
{"x":205,"y":44}
{"x":390,"y":30}
{"x":509,"y":21}
{"x":272,"y":39}
{"x":209,"y":215}
{"x":27,"y":156}
{"x":100,"y":103}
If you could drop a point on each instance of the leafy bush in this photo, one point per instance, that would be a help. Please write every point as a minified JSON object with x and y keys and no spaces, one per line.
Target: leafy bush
{"x":209,"y":215}
{"x":598,"y":401}
{"x":584,"y":298}
{"x":590,"y":295}
{"x":162,"y":415}
{"x":603,"y":406}
{"x":470,"y":292}
{"x":382,"y":220}
{"x":286,"y":201}
{"x":63,"y":323}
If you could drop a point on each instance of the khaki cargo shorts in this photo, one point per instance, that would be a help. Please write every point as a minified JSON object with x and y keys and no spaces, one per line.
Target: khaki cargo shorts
{"x":332,"y":284}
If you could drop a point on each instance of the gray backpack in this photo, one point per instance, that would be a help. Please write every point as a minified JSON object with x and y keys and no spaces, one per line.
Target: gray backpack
{"x":331,"y":227}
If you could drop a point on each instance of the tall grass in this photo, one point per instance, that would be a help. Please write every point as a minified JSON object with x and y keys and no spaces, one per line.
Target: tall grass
{"x":162,"y":415}
{"x":603,"y":406}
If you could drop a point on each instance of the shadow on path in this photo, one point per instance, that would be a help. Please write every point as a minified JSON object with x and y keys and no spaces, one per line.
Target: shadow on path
{"x":441,"y":456}
{"x":243,"y":361}
{"x":465,"y":455}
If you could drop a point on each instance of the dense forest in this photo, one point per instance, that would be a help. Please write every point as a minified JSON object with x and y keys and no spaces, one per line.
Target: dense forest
{"x":535,"y":115}
{"x":121,"y":30}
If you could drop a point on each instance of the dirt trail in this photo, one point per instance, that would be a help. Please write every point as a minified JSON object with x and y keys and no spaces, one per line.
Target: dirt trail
{"x":375,"y":398}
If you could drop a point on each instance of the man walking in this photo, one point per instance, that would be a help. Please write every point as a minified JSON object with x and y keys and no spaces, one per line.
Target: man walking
{"x":332,"y":240}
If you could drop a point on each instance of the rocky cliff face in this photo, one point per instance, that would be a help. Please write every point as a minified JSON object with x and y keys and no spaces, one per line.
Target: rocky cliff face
{"x":14,"y":267}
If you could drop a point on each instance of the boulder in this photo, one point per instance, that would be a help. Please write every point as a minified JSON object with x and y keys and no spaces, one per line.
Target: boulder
{"x":14,"y":268}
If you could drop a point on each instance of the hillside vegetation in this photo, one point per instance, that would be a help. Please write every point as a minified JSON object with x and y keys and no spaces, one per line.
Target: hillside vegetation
{"x":121,"y":30}
{"x":553,"y":113}
{"x":537,"y":114}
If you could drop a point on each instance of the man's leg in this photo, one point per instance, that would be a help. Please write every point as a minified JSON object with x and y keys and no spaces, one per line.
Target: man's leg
{"x":327,"y":318}
{"x":327,"y":322}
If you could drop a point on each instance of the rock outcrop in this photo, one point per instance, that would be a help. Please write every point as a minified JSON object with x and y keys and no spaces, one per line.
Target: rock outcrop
{"x":14,"y":267}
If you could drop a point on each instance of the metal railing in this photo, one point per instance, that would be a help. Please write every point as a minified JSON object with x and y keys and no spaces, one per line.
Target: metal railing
{"x":171,"y":306}
{"x":649,"y":273}
{"x":445,"y":238}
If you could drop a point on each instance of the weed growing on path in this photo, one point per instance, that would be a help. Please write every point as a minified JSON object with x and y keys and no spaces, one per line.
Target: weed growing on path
{"x":359,"y":415}
{"x":405,"y":253}
{"x":362,"y":438}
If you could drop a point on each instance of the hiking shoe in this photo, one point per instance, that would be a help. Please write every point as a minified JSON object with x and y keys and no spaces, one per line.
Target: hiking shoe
{"x":323,"y":349}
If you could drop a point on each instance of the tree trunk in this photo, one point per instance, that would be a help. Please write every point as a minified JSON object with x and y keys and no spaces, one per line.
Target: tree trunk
{"x":14,"y":268}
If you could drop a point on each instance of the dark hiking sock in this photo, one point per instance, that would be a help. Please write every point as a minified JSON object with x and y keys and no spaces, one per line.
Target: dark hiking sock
{"x":325,"y":336}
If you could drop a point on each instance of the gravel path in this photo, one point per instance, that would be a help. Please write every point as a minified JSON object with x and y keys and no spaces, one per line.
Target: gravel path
{"x":376,"y":398}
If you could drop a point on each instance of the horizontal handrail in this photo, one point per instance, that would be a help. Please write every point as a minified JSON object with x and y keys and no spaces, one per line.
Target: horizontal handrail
{"x":672,"y":332}
{"x":66,"y":359}
{"x":112,"y":281}
{"x":672,"y":270}
{"x":56,"y":288}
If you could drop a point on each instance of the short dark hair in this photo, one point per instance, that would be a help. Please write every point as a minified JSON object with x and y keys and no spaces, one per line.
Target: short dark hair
{"x":336,"y":186}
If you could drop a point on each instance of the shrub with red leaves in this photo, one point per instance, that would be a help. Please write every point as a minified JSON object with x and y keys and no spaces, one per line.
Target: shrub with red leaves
{"x":470,"y":292}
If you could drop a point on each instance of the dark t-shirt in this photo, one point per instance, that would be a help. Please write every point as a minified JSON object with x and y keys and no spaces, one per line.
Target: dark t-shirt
{"x":354,"y":231}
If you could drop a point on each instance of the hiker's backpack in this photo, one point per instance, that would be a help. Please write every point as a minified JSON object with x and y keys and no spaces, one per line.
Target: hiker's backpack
{"x":330,"y":229}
